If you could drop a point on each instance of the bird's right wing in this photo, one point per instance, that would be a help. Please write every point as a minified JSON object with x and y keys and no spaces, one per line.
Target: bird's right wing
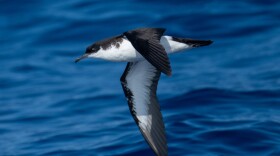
{"x":147,"y":42}
{"x":139,"y":82}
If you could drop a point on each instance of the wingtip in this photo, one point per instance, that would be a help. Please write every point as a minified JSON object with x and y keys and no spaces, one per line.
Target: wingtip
{"x":161,"y":152}
{"x":169,"y":73}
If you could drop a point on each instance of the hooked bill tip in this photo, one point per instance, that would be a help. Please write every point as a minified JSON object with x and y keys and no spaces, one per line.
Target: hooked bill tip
{"x":80,"y":58}
{"x":77,"y":60}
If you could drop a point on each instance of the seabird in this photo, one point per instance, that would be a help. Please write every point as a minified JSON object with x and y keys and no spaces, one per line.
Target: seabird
{"x":145,"y":50}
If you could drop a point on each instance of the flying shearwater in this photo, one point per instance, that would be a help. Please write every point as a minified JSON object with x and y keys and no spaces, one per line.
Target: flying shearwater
{"x":145,"y":50}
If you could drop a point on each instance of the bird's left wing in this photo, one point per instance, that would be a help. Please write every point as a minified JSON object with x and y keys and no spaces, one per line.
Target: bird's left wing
{"x":139,"y":82}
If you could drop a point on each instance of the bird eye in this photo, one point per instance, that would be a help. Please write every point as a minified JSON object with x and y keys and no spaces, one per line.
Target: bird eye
{"x":92,"y":49}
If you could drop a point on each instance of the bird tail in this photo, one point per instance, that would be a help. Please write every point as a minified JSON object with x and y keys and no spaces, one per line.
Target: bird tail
{"x":192,"y":42}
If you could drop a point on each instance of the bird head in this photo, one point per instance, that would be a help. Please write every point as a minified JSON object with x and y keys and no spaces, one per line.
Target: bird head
{"x":90,"y":52}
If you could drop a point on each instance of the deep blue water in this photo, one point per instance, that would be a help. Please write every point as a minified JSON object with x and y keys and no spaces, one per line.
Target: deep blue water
{"x":222,"y":100}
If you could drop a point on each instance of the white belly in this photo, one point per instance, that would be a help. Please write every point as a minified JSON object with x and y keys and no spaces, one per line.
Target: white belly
{"x":126,"y":52}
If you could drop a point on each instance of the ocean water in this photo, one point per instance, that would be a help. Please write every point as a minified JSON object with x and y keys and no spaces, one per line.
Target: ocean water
{"x":222,"y":100}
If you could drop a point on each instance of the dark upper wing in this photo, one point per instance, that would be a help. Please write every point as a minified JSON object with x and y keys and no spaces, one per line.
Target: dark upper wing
{"x":147,"y":42}
{"x":139,"y":82}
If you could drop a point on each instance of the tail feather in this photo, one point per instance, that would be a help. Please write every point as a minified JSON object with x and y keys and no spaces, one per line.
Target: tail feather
{"x":192,"y":42}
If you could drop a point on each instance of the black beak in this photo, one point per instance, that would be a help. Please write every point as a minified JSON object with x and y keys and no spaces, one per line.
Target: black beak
{"x":82,"y":57}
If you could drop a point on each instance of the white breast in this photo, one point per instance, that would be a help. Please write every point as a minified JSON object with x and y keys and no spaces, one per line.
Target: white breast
{"x":125,"y":52}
